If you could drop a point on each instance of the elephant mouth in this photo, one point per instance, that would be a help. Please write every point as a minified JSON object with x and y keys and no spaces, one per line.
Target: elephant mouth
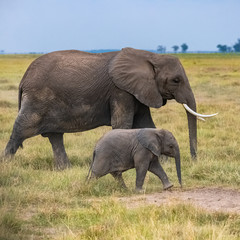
{"x":198,"y":115}
{"x":168,"y":96}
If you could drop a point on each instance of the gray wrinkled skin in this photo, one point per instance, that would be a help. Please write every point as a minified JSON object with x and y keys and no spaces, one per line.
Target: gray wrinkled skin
{"x":123,"y":149}
{"x":71,"y":91}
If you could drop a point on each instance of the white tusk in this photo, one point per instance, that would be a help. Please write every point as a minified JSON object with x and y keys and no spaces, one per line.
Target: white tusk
{"x":202,"y":119}
{"x":200,"y":116}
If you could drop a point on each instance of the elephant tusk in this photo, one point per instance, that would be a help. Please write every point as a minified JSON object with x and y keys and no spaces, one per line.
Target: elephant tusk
{"x":198,"y":115}
{"x":202,"y":119}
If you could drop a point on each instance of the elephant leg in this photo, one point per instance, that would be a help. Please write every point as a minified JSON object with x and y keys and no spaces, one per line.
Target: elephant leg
{"x":157,"y":169}
{"x":141,"y":172}
{"x":60,"y":156}
{"x":122,"y":110}
{"x":119,"y":178}
{"x":141,"y":159}
{"x":143,"y":118}
{"x":13,"y":144}
{"x":25,"y":126}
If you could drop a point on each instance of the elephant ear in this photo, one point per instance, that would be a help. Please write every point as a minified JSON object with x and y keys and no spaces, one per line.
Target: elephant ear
{"x":149,"y":139}
{"x":131,"y":70}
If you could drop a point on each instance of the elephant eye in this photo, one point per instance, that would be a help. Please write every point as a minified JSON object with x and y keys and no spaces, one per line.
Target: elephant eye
{"x":170,"y":146}
{"x":176,"y":80}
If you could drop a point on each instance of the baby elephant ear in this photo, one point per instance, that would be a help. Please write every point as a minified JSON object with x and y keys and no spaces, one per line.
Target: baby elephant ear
{"x":131,"y":70}
{"x":149,"y":139}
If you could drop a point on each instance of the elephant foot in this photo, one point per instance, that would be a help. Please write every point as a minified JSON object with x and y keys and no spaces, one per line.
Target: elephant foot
{"x":139,"y":190}
{"x":167,"y":186}
{"x":5,"y":157}
{"x":62,"y":165}
{"x":11,"y":148}
{"x":119,"y":178}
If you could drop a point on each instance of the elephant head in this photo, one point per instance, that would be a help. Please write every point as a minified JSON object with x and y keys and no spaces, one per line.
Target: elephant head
{"x":153,"y":79}
{"x":161,"y":142}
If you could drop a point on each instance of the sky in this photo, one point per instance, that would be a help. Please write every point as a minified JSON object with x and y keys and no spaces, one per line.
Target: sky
{"x":50,"y":25}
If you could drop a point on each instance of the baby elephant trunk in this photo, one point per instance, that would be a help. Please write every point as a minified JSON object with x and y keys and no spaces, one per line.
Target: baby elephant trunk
{"x":178,"y":165}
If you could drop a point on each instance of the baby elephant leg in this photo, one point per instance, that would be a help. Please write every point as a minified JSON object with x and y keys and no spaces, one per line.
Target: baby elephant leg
{"x":119,"y":178}
{"x":141,"y":172}
{"x":141,"y":162}
{"x":157,"y":169}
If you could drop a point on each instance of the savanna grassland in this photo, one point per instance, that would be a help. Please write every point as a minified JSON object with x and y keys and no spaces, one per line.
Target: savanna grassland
{"x":37,"y":202}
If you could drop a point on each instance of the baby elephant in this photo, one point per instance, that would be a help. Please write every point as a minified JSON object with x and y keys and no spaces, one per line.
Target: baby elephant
{"x":123,"y":149}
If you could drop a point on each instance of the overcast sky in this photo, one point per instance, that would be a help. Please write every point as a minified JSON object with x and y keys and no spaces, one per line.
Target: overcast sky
{"x":49,"y":25}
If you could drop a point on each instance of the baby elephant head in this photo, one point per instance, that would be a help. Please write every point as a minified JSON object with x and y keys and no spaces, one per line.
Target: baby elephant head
{"x":169,"y":143}
{"x":161,"y":142}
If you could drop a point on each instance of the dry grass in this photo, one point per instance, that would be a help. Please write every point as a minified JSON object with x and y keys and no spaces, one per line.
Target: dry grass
{"x":38,"y":203}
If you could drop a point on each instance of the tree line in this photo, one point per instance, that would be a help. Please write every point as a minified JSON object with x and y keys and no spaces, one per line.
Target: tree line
{"x":225,"y":48}
{"x":184,"y":48}
{"x":162,"y":49}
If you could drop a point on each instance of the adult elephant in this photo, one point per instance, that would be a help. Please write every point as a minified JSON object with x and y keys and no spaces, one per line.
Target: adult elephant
{"x":71,"y":91}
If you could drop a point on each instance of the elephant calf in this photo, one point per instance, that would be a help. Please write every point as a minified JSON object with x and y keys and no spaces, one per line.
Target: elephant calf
{"x":123,"y":149}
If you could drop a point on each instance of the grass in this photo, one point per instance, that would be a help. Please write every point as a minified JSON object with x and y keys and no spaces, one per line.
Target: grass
{"x":39,"y":203}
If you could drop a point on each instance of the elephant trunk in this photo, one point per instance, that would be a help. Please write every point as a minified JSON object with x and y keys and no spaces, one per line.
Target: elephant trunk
{"x":192,"y":126}
{"x":178,"y":165}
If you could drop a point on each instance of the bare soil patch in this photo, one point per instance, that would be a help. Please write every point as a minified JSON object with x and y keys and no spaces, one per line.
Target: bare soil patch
{"x":210,"y":199}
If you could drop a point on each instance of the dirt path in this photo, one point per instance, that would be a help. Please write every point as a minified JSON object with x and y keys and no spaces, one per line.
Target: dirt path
{"x":211,"y":199}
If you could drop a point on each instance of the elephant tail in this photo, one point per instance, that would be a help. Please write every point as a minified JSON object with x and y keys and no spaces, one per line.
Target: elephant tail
{"x":90,"y":169}
{"x":19,"y":103}
{"x":19,"y":97}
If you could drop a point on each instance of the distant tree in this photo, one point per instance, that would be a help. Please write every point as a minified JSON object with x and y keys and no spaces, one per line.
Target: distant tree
{"x":222,"y":48}
{"x":1,"y":51}
{"x":175,"y":48}
{"x":184,"y":47}
{"x":229,"y":49}
{"x":236,"y":46}
{"x":161,"y":49}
